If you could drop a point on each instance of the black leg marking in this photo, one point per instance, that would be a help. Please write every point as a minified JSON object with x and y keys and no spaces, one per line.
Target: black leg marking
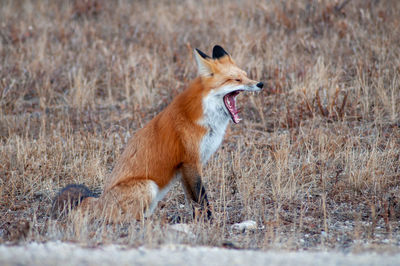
{"x":202,"y":198}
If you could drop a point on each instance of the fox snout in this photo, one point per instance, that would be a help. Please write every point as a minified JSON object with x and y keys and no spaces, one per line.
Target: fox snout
{"x":255,"y":86}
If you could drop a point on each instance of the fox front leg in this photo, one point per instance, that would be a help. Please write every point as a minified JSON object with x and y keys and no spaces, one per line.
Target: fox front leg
{"x":194,"y":188}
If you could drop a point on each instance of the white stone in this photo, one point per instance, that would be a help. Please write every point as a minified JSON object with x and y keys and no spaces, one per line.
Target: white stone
{"x":246,"y":225}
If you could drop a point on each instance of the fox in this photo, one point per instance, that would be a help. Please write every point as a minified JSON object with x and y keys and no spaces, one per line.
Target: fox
{"x":172,"y":147}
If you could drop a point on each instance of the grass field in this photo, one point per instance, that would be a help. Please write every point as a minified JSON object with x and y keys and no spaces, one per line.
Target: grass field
{"x":315,"y":162}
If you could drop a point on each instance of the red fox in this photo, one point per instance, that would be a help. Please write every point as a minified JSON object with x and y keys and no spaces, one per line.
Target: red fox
{"x":172,"y":147}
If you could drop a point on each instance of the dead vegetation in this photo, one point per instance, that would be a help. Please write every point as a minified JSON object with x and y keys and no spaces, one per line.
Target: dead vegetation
{"x":315,"y":162}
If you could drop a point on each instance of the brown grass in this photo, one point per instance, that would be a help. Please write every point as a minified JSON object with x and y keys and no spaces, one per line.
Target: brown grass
{"x":315,"y":161}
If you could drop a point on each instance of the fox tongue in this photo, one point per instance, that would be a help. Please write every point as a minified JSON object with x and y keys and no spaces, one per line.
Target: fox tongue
{"x":230,"y":103}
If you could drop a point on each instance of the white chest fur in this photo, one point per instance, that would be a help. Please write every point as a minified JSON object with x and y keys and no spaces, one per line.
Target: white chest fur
{"x":216,"y":120}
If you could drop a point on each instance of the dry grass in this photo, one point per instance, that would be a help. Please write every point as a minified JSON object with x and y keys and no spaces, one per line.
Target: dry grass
{"x":315,"y":162}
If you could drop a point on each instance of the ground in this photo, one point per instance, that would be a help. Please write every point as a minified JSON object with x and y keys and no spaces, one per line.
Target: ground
{"x":57,"y":253}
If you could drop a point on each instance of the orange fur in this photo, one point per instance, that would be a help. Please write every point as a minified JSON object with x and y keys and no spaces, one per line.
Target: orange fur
{"x":170,"y":145}
{"x":157,"y":150}
{"x":154,"y":153}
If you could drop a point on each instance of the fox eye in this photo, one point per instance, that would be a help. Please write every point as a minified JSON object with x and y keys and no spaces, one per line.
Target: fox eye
{"x":238,"y":80}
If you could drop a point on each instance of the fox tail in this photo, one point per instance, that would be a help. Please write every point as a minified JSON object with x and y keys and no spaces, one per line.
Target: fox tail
{"x":68,"y":198}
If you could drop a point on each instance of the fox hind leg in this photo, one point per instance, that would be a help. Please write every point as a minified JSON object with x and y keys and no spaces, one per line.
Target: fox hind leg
{"x":130,"y":200}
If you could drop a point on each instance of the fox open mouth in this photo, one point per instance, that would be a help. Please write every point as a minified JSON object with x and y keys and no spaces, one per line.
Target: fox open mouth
{"x":230,"y":103}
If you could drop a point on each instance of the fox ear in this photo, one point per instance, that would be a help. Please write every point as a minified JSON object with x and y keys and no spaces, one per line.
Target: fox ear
{"x":203,"y":65}
{"x":219,"y":52}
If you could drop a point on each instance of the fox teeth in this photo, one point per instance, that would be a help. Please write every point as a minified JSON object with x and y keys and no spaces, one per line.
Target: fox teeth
{"x":229,"y":102}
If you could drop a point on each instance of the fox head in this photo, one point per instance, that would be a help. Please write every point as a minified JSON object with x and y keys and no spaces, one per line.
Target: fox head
{"x":223,"y":80}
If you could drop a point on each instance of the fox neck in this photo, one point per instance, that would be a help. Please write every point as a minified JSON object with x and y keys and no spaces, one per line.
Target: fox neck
{"x":215,"y":119}
{"x":209,"y":112}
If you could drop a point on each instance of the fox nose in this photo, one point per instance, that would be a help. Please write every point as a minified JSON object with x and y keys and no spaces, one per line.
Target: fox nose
{"x":260,"y":85}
